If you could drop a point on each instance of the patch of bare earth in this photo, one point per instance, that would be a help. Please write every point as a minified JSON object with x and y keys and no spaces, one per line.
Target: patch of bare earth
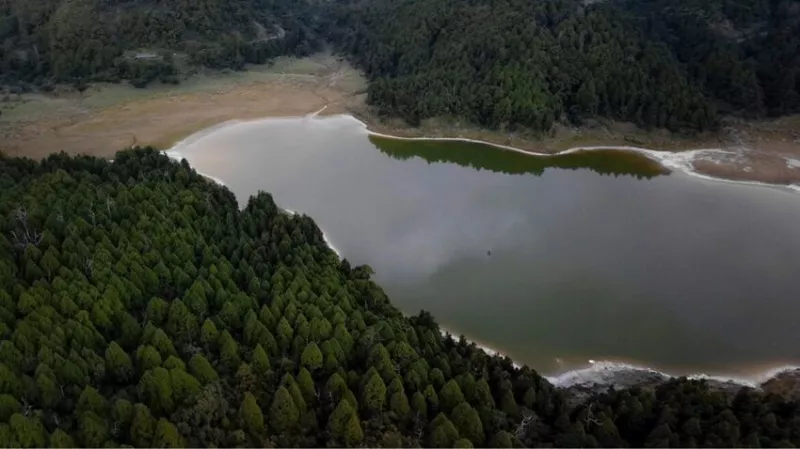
{"x":163,"y":118}
{"x":786,"y":384}
{"x":765,"y":151}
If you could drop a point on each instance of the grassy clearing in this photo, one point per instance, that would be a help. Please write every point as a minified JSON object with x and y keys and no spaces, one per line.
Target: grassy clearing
{"x":108,"y":117}
{"x":66,"y":102}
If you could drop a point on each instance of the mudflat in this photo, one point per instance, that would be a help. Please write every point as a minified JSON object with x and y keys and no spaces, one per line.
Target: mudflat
{"x":108,"y":117}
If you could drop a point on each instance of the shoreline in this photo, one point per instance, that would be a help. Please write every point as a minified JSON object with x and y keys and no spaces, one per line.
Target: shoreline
{"x":679,"y":161}
{"x":110,"y":117}
{"x":595,"y":374}
{"x":759,"y":152}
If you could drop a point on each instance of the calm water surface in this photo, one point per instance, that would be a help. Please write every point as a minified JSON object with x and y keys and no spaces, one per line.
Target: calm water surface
{"x":553,"y":261}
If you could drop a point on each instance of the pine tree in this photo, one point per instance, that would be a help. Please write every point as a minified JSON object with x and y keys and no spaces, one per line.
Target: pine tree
{"x":444,"y":433}
{"x":142,"y":426}
{"x":202,"y":370}
{"x":260,"y":361}
{"x":398,"y":403}
{"x":283,"y":413}
{"x":450,"y":395}
{"x":311,"y":357}
{"x":468,"y":423}
{"x":306,"y":385}
{"x":166,"y":435}
{"x":251,"y":415}
{"x":339,"y":419}
{"x":373,"y":395}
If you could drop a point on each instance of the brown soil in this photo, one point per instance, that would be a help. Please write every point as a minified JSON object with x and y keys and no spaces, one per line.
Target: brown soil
{"x":766,"y":167}
{"x":785,"y":384}
{"x":162,"y":119}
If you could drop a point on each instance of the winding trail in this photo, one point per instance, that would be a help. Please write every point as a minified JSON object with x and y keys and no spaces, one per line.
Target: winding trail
{"x":317,"y":113}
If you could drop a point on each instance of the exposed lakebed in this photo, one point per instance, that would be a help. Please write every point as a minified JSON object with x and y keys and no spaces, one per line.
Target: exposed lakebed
{"x":554,"y":261}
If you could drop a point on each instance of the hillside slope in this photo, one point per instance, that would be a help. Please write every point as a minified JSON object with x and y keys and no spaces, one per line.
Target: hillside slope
{"x":139,"y":306}
{"x":500,"y":64}
{"x":106,"y":40}
{"x":512,"y":63}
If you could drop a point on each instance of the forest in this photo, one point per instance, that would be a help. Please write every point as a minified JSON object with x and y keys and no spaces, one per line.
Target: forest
{"x":78,"y":41}
{"x":509,"y":65}
{"x":140,"y":306}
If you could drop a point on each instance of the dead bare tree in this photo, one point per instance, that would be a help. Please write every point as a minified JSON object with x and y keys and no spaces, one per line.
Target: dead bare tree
{"x":419,"y":427}
{"x":25,"y":235}
{"x":26,"y":406}
{"x":88,"y":266}
{"x":109,"y":203}
{"x":522,"y":427}
{"x":590,"y":419}
{"x":147,"y":242}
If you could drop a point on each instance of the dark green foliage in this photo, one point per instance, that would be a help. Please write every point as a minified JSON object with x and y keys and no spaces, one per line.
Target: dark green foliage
{"x":311,"y":357}
{"x":202,"y":369}
{"x":251,"y":415}
{"x":96,"y":40}
{"x":288,"y":353}
{"x":283,"y":414}
{"x":519,"y":64}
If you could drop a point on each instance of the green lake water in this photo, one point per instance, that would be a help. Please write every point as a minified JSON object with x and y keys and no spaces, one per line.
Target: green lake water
{"x":554,"y":261}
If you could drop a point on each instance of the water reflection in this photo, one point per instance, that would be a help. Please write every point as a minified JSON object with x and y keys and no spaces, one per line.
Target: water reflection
{"x":480,"y":157}
{"x":540,"y":257}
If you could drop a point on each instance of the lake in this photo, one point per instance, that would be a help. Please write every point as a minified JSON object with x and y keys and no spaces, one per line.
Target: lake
{"x":552,"y":261}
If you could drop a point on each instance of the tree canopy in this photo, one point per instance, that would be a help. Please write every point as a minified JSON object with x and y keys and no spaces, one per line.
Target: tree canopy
{"x":139,"y":306}
{"x":518,"y":64}
{"x":504,"y":64}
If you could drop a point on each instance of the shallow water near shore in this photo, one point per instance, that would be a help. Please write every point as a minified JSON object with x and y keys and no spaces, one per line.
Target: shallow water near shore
{"x":552,"y":261}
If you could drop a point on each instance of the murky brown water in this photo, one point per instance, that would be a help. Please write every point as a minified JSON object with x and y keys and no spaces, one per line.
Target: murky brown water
{"x":554,"y":261}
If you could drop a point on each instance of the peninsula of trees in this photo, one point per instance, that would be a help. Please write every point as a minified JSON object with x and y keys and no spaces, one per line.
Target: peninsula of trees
{"x":140,"y":307}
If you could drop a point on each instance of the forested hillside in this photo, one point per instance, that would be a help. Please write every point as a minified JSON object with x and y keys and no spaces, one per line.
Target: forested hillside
{"x":108,"y":40}
{"x":139,"y":306}
{"x":516,"y":63}
{"x":502,"y":64}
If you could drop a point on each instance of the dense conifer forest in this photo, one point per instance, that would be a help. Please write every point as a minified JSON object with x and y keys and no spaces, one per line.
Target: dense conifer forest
{"x":502,"y":64}
{"x":47,"y":41}
{"x":140,"y":306}
{"x":677,"y":64}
